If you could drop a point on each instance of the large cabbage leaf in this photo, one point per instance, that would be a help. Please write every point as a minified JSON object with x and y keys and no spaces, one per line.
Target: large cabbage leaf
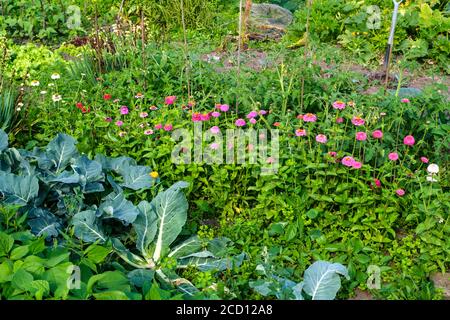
{"x":3,"y":140}
{"x":87,"y":228}
{"x":322,"y":281}
{"x":61,"y":150}
{"x":18,"y":189}
{"x":145,"y":227}
{"x":171,"y":208}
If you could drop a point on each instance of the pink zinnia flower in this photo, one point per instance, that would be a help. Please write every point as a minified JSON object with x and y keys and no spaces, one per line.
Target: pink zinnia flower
{"x":309,"y":117}
{"x":332,"y":153}
{"x":196,"y":117}
{"x":170,"y":100}
{"x":424,"y":159}
{"x":158,"y":126}
{"x":143,"y":115}
{"x":400,"y":192}
{"x":215,"y":130}
{"x":252,"y":114}
{"x":377,"y":182}
{"x":270,"y":160}
{"x":124,"y":110}
{"x":300,"y":132}
{"x":224,"y":107}
{"x":377,"y":134}
{"x":339,"y":105}
{"x":405,"y":100}
{"x":215,"y":114}
{"x":348,"y":161}
{"x":240,"y":122}
{"x":262,"y":112}
{"x":321,"y":138}
{"x":357,"y":165}
{"x":393,"y":156}
{"x":119,"y":123}
{"x":252,"y":120}
{"x":361,"y":136}
{"x":214,"y":146}
{"x":168,"y":127}
{"x":108,"y":119}
{"x":409,"y":140}
{"x":358,"y":121}
{"x":340,"y":120}
{"x":148,"y":132}
{"x":153,"y":108}
{"x":204,"y":117}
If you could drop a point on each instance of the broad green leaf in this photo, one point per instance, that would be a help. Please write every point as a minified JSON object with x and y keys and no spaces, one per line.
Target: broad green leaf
{"x":137,"y":177}
{"x":39,"y":288}
{"x":88,"y":170}
{"x":297,"y":291}
{"x":58,"y":278}
{"x":6,"y":271}
{"x":3,"y":140}
{"x":19,"y":252}
{"x":44,"y":223}
{"x":21,"y":280}
{"x":263,"y":287}
{"x":86,"y":227}
{"x":111,"y":295}
{"x":110,"y":280}
{"x":127,"y":255}
{"x":145,"y":227}
{"x":116,"y":206}
{"x":114,"y":164}
{"x":191,"y":245}
{"x":96,"y":253}
{"x":61,"y":150}
{"x":139,"y":277}
{"x":57,"y":256}
{"x":321,"y":280}
{"x":207,"y":263}
{"x":6,"y":243}
{"x":171,"y":209}
{"x":18,"y":189}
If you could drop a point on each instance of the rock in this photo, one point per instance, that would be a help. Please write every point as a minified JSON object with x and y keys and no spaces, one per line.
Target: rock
{"x":269,"y":20}
{"x":442,"y":281}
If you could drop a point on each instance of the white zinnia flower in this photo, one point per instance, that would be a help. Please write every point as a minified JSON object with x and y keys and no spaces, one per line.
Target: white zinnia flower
{"x":55,"y":76}
{"x":433,"y":168}
{"x":56,"y":97}
{"x":43,"y":92}
{"x":34,"y":83}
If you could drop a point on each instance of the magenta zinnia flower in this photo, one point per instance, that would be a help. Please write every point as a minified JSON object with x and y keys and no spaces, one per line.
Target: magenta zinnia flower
{"x":124,"y":110}
{"x":196,"y":117}
{"x":321,"y":138}
{"x":309,"y":117}
{"x":339,"y":105}
{"x":168,"y":127}
{"x":252,"y":114}
{"x":348,"y":161}
{"x":424,"y":159}
{"x":300,"y":132}
{"x":358,"y":121}
{"x":262,"y":112}
{"x":405,"y":100}
{"x":400,"y":192}
{"x":393,"y":156}
{"x":252,"y":120}
{"x":357,"y":165}
{"x":361,"y":136}
{"x":377,"y":134}
{"x":240,"y":122}
{"x":119,"y":123}
{"x":158,"y":126}
{"x":170,"y":100}
{"x":409,"y":140}
{"x":204,"y":117}
{"x":215,"y":130}
{"x":340,"y":120}
{"x":224,"y":107}
{"x":215,"y":114}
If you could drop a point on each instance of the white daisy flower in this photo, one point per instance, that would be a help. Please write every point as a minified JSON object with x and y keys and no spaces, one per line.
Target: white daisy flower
{"x":55,"y":76}
{"x":433,"y":168}
{"x":34,"y":83}
{"x":56,"y":97}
